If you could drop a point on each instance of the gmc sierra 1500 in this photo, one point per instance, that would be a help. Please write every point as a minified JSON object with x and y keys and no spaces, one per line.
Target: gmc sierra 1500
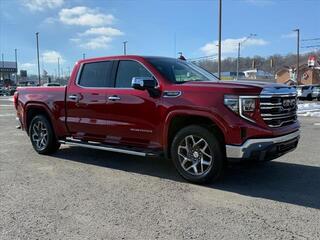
{"x":151,"y":106}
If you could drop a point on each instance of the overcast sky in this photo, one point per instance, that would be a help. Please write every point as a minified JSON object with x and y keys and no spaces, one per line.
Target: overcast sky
{"x":69,"y":28}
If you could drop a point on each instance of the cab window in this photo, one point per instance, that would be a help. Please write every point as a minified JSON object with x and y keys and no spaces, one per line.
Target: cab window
{"x":96,"y":74}
{"x":127,"y":70}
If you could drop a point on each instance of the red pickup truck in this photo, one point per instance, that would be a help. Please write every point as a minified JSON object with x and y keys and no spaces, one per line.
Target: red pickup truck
{"x":151,"y":106}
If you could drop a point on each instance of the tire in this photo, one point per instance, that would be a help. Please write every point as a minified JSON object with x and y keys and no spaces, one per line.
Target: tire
{"x":42,"y":136}
{"x":309,"y":98}
{"x":191,"y":148}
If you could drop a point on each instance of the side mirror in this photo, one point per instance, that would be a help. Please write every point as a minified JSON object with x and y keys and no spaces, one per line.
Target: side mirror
{"x":142,"y":83}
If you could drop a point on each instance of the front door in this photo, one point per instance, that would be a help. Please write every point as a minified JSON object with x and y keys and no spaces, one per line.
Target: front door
{"x":86,"y":101}
{"x":133,"y":115}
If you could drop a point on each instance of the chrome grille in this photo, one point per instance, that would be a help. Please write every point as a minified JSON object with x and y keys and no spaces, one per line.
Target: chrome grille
{"x":278,"y":110}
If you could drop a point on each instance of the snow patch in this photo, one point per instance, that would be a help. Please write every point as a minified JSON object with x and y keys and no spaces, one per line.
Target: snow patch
{"x":309,"y":109}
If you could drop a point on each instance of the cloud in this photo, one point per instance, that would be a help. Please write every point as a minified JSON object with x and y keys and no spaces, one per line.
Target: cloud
{"x":27,"y":66}
{"x":40,"y":5}
{"x":84,"y":16}
{"x":230,"y":45}
{"x":50,"y":20}
{"x":75,"y":40}
{"x":289,"y":35}
{"x":51,"y":56}
{"x":101,"y":42}
{"x":105,"y":31}
{"x":97,"y":38}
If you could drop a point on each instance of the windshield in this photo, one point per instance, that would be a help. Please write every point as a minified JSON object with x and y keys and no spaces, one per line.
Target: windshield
{"x":179,"y":71}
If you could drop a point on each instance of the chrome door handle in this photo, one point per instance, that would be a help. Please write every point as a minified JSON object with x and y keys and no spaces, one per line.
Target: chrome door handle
{"x":114,"y":98}
{"x":73,"y":97}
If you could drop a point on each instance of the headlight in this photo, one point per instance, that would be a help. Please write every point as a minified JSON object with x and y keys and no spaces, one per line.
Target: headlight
{"x":245,"y":106}
{"x":248,"y":104}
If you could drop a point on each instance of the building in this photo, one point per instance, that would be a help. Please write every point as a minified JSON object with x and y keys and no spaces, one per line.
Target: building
{"x":8,"y":71}
{"x":258,"y":75}
{"x":307,"y":75}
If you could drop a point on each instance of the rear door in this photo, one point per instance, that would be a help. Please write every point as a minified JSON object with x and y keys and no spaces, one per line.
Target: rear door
{"x":133,"y":115}
{"x":86,"y":101}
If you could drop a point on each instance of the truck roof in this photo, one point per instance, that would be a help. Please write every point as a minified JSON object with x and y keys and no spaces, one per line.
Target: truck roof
{"x":137,"y":57}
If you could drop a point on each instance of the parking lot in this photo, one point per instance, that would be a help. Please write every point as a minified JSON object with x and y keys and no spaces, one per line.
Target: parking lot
{"x":89,"y":194}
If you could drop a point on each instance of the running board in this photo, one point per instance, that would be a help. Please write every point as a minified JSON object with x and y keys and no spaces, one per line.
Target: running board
{"x":100,"y":146}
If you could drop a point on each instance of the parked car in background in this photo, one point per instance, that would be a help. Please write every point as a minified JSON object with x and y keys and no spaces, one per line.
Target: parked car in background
{"x":305,"y":92}
{"x":11,"y":90}
{"x":2,"y":91}
{"x":52,"y":84}
{"x":316,"y":92}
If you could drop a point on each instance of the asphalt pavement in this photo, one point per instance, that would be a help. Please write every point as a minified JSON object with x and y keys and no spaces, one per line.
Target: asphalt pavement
{"x":82,"y":193}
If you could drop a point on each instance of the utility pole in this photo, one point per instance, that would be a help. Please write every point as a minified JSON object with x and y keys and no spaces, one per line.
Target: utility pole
{"x":238,"y":61}
{"x":175,"y":45}
{"x":58,"y":67}
{"x":2,"y":59}
{"x":298,"y":54}
{"x":37,"y":37}
{"x":239,"y":46}
{"x":125,"y":47}
{"x":16,"y":59}
{"x":83,"y":56}
{"x":219,"y":47}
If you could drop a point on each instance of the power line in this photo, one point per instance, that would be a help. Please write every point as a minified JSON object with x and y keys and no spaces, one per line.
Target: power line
{"x":214,"y":56}
{"x":313,"y":46}
{"x":311,"y":39}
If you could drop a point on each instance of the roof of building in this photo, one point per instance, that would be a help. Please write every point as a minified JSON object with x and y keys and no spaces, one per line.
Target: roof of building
{"x":7,"y":64}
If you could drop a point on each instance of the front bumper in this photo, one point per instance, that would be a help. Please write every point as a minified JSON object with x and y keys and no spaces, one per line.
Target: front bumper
{"x":263,"y":149}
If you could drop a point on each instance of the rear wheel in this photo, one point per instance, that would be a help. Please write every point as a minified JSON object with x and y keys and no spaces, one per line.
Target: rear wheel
{"x":197,"y":154}
{"x":42,"y":136}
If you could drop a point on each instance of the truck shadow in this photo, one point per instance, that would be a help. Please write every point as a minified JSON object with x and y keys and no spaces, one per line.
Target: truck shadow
{"x":278,"y":181}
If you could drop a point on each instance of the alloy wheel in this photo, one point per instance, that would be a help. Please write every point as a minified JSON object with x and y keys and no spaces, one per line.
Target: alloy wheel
{"x":39,"y":135}
{"x":195,"y":156}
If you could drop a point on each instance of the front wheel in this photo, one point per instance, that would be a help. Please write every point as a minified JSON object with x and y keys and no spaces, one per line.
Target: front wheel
{"x":42,"y":136}
{"x":197,"y":154}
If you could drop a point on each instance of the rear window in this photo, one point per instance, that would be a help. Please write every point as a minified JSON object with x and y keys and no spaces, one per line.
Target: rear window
{"x":96,"y":74}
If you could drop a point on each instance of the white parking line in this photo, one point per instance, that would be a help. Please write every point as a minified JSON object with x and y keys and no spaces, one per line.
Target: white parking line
{"x":7,"y":99}
{"x":7,"y":115}
{"x":6,"y":105}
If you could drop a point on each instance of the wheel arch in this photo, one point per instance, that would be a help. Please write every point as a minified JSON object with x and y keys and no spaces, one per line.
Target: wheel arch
{"x":34,"y":109}
{"x":177,"y":120}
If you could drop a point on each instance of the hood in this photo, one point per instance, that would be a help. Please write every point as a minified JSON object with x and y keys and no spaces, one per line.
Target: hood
{"x":255,"y":84}
{"x":237,"y":87}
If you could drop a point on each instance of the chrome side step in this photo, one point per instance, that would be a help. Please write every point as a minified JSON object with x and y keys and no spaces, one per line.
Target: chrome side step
{"x":96,"y":145}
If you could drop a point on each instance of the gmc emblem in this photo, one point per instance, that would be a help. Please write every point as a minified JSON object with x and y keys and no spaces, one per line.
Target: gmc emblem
{"x":288,"y":103}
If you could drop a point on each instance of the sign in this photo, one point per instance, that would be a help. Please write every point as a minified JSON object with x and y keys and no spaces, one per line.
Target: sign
{"x":8,"y":70}
{"x":311,"y":61}
{"x":23,"y":73}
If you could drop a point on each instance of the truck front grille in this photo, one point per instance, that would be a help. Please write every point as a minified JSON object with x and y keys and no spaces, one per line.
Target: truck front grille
{"x":278,"y":110}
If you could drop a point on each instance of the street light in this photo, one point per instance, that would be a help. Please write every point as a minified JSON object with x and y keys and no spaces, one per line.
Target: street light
{"x":298,"y":58}
{"x":125,"y":47}
{"x":16,"y":59}
{"x":239,"y":46}
{"x":58,"y":67}
{"x":37,"y":37}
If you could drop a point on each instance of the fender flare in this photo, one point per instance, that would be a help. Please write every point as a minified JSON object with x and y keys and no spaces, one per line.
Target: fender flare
{"x":216,"y":119}
{"x":41,"y":106}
